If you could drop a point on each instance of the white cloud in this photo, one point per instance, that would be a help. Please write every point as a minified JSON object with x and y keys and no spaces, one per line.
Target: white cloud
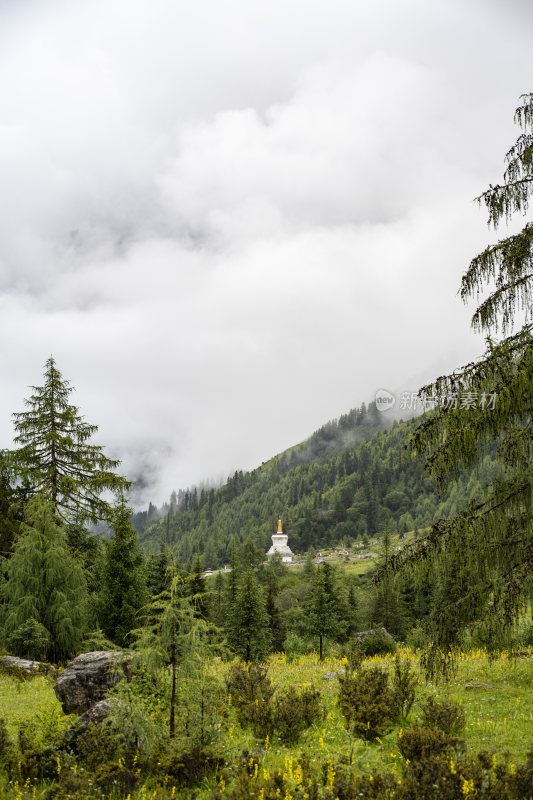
{"x":232,"y":223}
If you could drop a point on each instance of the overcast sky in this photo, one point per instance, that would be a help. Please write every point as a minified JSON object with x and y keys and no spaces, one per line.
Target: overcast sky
{"x":232,"y":220}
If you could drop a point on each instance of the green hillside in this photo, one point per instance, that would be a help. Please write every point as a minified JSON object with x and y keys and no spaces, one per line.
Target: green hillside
{"x":348,"y":481}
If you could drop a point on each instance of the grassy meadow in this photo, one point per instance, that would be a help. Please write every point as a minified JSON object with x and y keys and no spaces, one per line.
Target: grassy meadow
{"x":497,"y":696}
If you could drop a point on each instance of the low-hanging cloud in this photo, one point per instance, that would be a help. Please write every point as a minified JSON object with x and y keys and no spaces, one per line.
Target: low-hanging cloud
{"x":231,"y":224}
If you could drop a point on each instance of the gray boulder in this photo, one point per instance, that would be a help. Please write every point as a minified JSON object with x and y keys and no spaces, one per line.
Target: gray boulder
{"x":23,"y":664}
{"x":96,"y":714}
{"x":88,"y":678}
{"x":328,"y":676}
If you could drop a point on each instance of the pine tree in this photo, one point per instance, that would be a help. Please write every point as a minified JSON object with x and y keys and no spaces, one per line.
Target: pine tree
{"x":157,"y":571}
{"x":277,"y":632}
{"x":218,"y":605}
{"x":11,"y":504}
{"x":488,"y":403}
{"x":197,"y":588}
{"x":45,"y":593}
{"x":322,"y":606}
{"x":172,"y":635}
{"x":124,"y":580}
{"x":54,"y":455}
{"x":249,"y":632}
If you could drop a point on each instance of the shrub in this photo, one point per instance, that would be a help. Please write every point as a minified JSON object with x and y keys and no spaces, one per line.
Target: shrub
{"x":293,"y":712}
{"x":447,"y":716}
{"x":191,"y":766}
{"x":116,"y":777}
{"x":417,"y":638}
{"x":40,"y":763}
{"x":376,"y":642}
{"x":404,"y":683}
{"x":251,"y":691}
{"x":366,"y":702}
{"x":295,"y":646}
{"x":431,"y":778}
{"x":348,"y":786}
{"x":73,"y":786}
{"x":5,"y":744}
{"x":354,"y":655}
{"x":418,"y":743}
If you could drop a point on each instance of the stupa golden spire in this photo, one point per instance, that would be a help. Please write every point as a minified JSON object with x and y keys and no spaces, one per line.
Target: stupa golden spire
{"x":279,"y":545}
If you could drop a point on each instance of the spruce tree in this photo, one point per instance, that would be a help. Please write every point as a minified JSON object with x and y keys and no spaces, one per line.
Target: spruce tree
{"x":45,"y":593}
{"x":54,"y":455}
{"x":173,"y":635}
{"x":277,"y":632}
{"x":11,"y":504}
{"x":197,"y":588}
{"x":158,"y":571}
{"x":249,"y":630}
{"x":124,"y":580}
{"x":488,"y":403}
{"x":323,"y":618}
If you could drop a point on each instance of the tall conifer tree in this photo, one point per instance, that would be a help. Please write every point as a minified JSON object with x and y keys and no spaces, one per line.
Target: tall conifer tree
{"x":489,"y":403}
{"x":54,"y":454}
{"x":124,"y":590}
{"x":45,"y":593}
{"x":249,"y":632}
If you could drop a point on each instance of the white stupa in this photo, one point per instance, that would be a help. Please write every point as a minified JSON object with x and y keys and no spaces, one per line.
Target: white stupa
{"x":279,"y":545}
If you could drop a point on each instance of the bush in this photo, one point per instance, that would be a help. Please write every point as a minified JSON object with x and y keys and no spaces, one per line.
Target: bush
{"x":417,"y":638}
{"x":116,"y":777}
{"x":431,"y":778}
{"x":96,"y":744}
{"x":251,"y":691}
{"x":191,"y":766}
{"x":348,"y":786}
{"x":376,"y":642}
{"x":447,"y":716}
{"x":353,"y":652}
{"x":5,"y":744}
{"x":404,"y":683}
{"x":418,"y":743}
{"x":293,"y":712}
{"x":73,"y":786}
{"x":35,"y":763}
{"x":295,"y":646}
{"x":366,"y":702}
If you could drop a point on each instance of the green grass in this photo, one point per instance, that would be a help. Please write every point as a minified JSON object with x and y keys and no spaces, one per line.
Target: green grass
{"x":499,"y":713}
{"x":26,"y":701}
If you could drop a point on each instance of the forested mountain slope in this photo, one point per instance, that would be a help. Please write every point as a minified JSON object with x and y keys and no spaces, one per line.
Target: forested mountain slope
{"x":349,"y":480}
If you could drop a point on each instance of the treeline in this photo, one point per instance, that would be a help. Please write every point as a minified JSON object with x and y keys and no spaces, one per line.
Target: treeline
{"x":326,"y":490}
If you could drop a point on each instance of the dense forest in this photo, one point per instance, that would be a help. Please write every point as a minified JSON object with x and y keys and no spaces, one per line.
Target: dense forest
{"x":349,"y":481}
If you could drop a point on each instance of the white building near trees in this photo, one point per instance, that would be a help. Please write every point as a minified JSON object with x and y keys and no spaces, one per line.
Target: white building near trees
{"x":279,"y":545}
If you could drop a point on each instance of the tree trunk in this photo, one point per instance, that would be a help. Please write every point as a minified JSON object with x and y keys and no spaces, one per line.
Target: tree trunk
{"x":173,"y":693}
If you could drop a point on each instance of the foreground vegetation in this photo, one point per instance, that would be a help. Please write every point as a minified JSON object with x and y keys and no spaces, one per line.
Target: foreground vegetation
{"x":495,"y":693}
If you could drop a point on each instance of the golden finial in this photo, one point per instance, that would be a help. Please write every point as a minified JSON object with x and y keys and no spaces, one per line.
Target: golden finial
{"x":279,"y":526}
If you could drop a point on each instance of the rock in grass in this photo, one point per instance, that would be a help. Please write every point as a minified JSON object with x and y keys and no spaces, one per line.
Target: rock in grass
{"x":88,"y":678}
{"x":479,"y":686}
{"x":13,"y":664}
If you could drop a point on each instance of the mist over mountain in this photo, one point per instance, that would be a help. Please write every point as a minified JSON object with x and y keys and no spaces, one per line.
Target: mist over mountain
{"x":349,"y":480}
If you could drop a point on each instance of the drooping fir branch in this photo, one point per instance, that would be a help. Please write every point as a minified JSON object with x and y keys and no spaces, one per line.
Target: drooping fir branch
{"x":481,"y":559}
